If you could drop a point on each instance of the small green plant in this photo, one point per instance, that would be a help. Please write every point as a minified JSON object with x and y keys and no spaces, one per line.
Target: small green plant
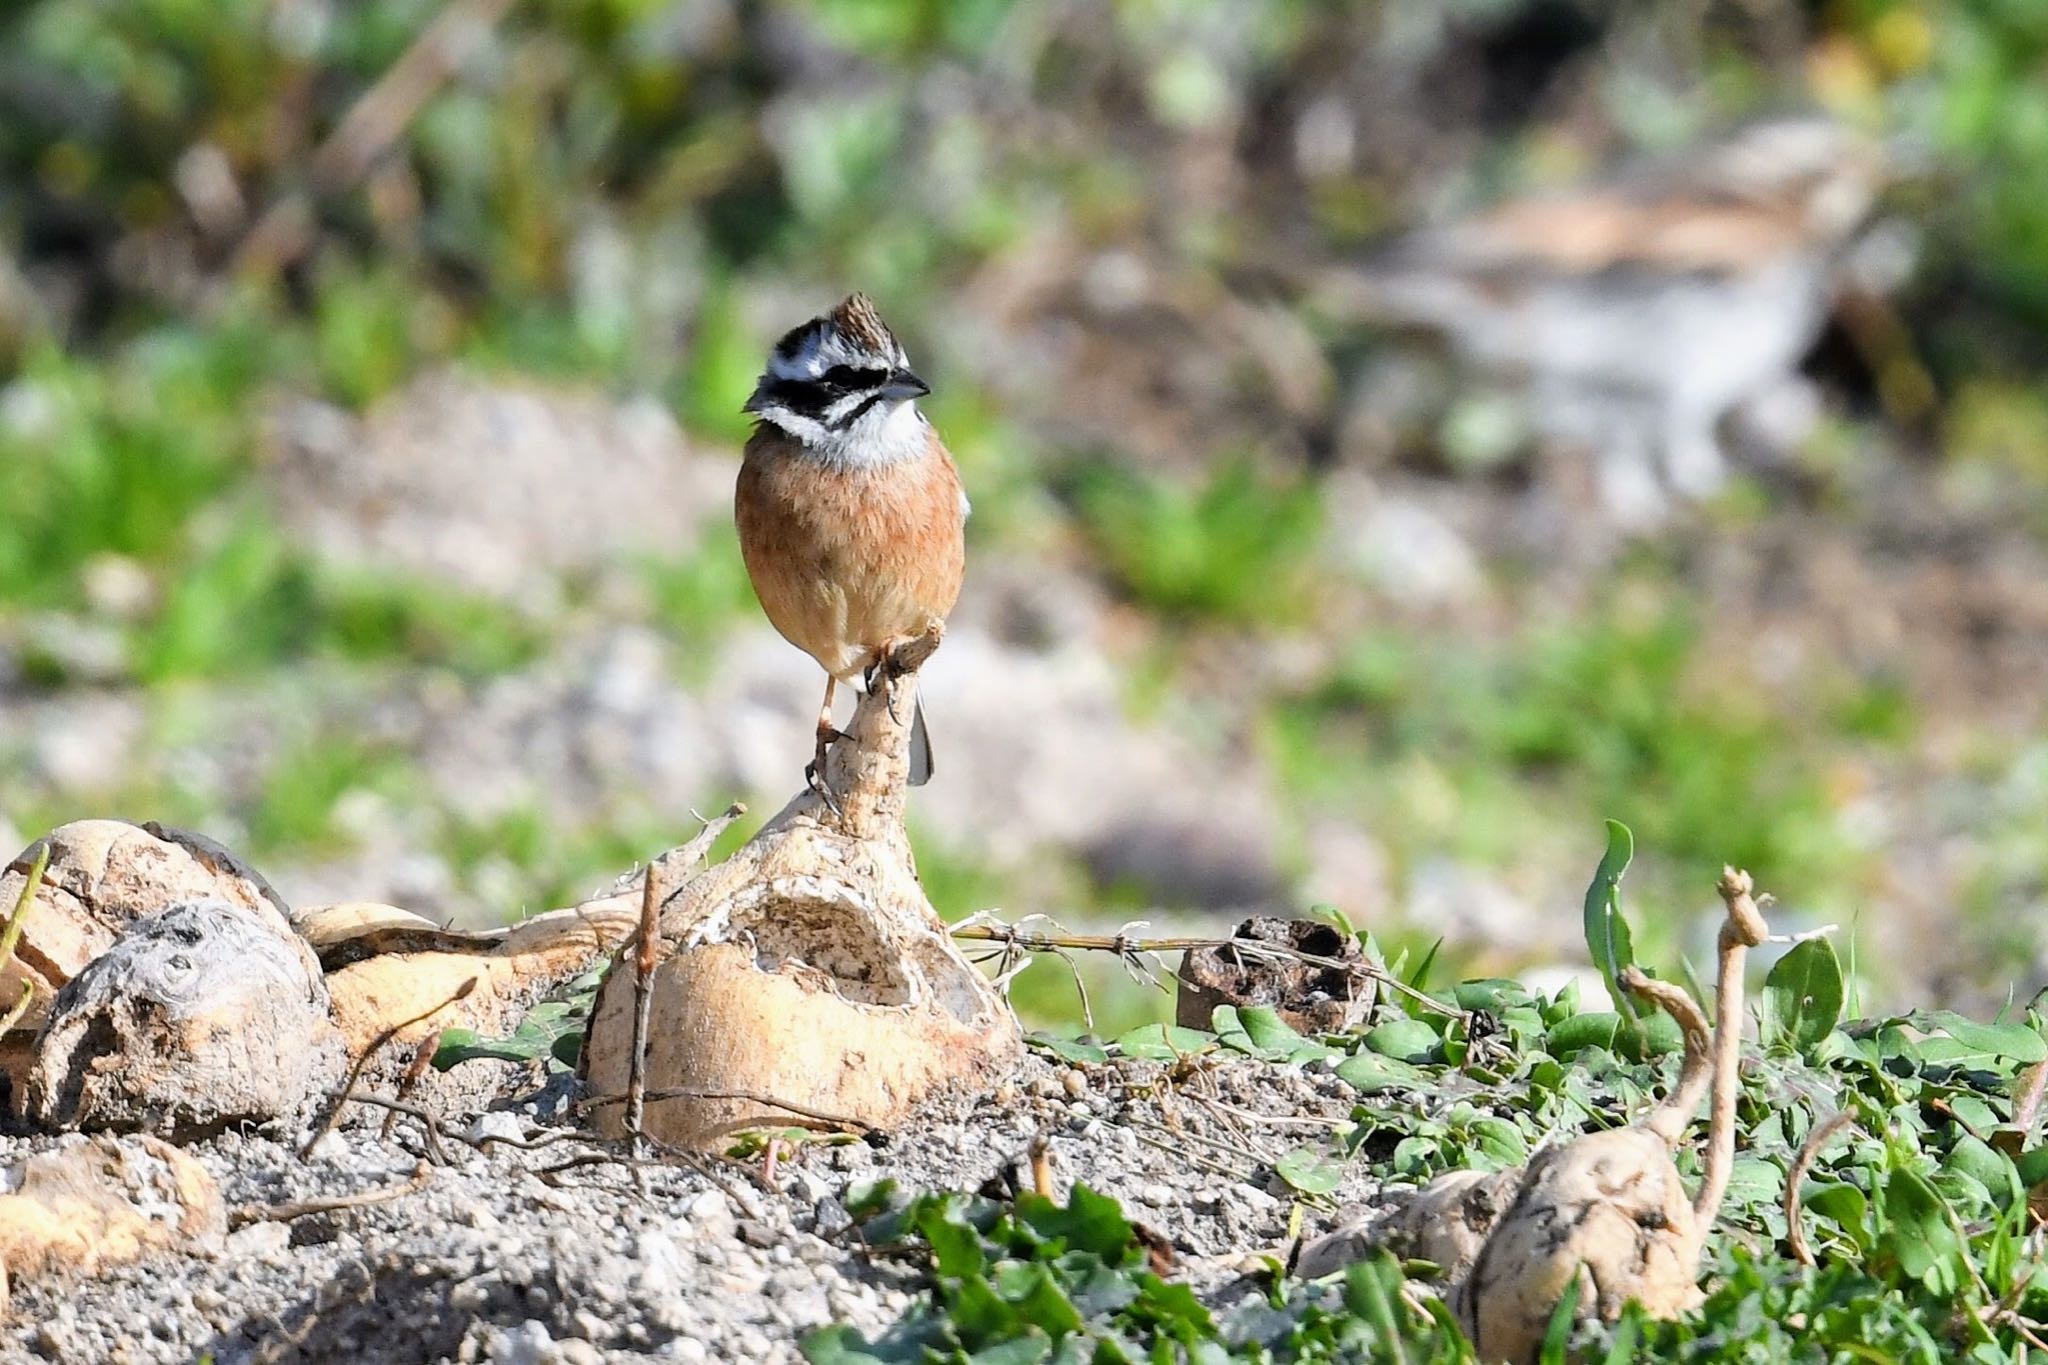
{"x":1237,"y":548}
{"x":552,"y":1031}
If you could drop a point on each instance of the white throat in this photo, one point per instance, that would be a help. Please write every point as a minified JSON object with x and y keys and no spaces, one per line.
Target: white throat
{"x":887,"y":433}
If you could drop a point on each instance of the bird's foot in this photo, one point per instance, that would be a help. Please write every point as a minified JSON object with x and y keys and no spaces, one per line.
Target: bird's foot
{"x":815,"y":770}
{"x":814,"y":778}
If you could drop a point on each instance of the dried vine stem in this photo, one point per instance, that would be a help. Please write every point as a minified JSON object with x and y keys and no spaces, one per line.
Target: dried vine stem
{"x":646,"y":954}
{"x":305,"y":1208}
{"x":1018,"y":942}
{"x":1795,"y":1230}
{"x":355,"y":1072}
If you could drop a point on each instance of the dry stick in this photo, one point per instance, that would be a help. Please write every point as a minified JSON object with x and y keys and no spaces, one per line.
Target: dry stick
{"x":370,"y":126}
{"x":426,"y":1120}
{"x":643,"y":1007}
{"x":2027,"y":1104}
{"x":1124,"y":946}
{"x":1742,"y":930}
{"x":1795,"y":1231}
{"x":304,"y":1208}
{"x":422,"y":1058}
{"x":858,"y":1125}
{"x":355,"y":1071}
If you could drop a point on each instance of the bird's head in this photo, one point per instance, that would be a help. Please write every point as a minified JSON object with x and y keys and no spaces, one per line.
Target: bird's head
{"x":842,"y":386}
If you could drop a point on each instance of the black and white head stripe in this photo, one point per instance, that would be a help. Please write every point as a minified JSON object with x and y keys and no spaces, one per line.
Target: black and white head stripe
{"x":838,"y":383}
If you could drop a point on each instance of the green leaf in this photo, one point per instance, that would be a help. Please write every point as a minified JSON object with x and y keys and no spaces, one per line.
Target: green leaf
{"x":1501,"y":1140}
{"x":1580,"y":1031}
{"x":1309,"y":1170}
{"x":1269,"y":1032}
{"x":1802,"y":1000}
{"x":1651,"y":1035}
{"x":1068,"y":1049}
{"x":2016,"y":1041}
{"x":956,"y":1247}
{"x":1164,"y":1042}
{"x":1918,"y":1229}
{"x":842,"y":1345}
{"x":1843,"y":1205}
{"x":1038,"y":1297}
{"x":1088,"y":1222}
{"x":1405,"y":1040}
{"x":1607,"y":936}
{"x":2033,"y":1164}
{"x":1369,"y":1073}
{"x":980,"y":1315}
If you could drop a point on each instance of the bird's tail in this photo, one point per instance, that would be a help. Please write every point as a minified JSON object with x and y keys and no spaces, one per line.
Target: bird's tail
{"x":920,"y":748}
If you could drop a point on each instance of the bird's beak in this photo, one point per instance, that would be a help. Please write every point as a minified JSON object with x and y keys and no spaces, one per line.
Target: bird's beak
{"x":903,"y":386}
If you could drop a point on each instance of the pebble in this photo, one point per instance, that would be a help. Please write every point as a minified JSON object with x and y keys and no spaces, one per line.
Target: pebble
{"x":601,"y":1270}
{"x":498,"y":1123}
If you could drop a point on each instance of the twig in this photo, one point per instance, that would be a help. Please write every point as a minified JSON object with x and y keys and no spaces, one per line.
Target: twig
{"x":422,"y":1058}
{"x":370,"y":126}
{"x":304,"y":1208}
{"x":1671,"y":1118}
{"x":849,"y":1121}
{"x":1041,"y":1164}
{"x":644,"y":959}
{"x":355,"y":1071}
{"x":427,"y":1121}
{"x":2026,"y":1105}
{"x":1016,"y":939}
{"x":1795,"y":1231}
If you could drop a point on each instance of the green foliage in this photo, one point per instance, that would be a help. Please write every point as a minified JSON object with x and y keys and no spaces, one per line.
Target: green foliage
{"x":1237,"y":548}
{"x":1920,"y":1224}
{"x":552,"y":1031}
{"x":1041,"y":1282}
{"x":1802,"y":1000}
{"x":1607,"y":937}
{"x":1487,"y":751}
{"x":116,"y":458}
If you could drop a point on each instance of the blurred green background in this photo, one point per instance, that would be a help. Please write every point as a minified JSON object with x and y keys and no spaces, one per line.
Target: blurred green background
{"x":370,"y":378}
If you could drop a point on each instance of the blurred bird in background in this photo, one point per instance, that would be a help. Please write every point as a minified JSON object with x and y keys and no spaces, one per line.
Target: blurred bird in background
{"x":1635,"y":314}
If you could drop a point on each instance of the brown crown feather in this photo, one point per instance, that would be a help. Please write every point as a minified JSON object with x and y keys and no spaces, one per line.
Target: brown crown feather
{"x":856,"y":317}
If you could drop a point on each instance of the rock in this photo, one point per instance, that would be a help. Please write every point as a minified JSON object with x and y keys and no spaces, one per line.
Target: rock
{"x":1402,"y":549}
{"x":103,"y":875}
{"x":1308,"y":997}
{"x":198,"y":1016}
{"x":103,"y":1201}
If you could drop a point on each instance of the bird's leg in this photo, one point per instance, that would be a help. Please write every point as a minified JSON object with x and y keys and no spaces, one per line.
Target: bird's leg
{"x":814,"y":771}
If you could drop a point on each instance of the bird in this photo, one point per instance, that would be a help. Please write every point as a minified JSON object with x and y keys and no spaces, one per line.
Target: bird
{"x":1637,"y":311}
{"x":851,"y":514}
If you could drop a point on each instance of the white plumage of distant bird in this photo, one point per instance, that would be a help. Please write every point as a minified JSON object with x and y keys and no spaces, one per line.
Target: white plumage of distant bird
{"x":1637,"y":312}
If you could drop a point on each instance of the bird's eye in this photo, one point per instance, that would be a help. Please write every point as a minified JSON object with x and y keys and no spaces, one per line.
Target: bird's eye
{"x":853,"y":377}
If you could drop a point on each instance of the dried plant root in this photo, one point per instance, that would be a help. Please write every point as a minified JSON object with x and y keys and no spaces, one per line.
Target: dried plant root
{"x":1608,"y":1212}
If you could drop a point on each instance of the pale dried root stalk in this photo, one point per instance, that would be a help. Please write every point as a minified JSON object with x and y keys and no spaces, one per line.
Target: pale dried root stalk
{"x":1608,"y":1212}
{"x":809,"y":966}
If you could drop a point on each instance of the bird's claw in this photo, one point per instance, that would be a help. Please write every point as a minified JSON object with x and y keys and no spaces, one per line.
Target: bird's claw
{"x":814,"y":778}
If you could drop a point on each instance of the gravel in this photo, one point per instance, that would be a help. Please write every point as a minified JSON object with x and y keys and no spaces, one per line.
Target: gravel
{"x":560,"y":1251}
